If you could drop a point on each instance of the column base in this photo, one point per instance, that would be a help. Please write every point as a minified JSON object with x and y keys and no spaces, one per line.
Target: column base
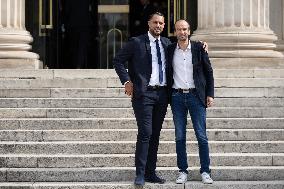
{"x":242,"y":43}
{"x":20,"y":64}
{"x":18,"y":55}
{"x":14,"y":50}
{"x":280,"y":46}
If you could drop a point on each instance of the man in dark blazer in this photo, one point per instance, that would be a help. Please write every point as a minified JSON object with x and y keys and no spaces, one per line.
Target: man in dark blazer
{"x":145,"y":82}
{"x":191,"y":88}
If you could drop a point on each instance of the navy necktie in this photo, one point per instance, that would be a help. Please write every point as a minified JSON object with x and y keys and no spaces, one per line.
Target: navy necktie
{"x":159,"y":61}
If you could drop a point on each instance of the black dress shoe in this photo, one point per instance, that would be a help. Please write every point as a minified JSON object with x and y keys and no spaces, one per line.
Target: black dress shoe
{"x":154,"y":179}
{"x":139,"y":181}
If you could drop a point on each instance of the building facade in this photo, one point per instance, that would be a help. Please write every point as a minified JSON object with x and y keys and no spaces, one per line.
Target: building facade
{"x":87,"y":34}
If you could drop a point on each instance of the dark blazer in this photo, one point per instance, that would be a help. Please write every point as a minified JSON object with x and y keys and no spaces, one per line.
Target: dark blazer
{"x":202,"y":71}
{"x":137,"y":52}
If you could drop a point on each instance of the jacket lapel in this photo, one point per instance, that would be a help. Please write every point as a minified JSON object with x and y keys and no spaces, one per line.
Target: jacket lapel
{"x":194,"y":51}
{"x":164,"y":45}
{"x":148,"y":49}
{"x":172,"y":48}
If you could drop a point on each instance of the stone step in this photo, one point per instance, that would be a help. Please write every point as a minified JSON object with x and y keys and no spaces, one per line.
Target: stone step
{"x":64,"y":93}
{"x":216,"y":112}
{"x":130,"y":135}
{"x":114,"y":174}
{"x":249,"y":92}
{"x":97,"y":73}
{"x":275,"y":184}
{"x":128,"y":147}
{"x":248,"y":73}
{"x":130,"y":123}
{"x":127,"y":160}
{"x":247,"y":63}
{"x":124,"y":102}
{"x":114,"y":82}
{"x":119,"y":92}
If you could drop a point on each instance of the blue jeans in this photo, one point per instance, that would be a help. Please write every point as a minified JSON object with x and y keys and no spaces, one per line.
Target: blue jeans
{"x":181,"y":104}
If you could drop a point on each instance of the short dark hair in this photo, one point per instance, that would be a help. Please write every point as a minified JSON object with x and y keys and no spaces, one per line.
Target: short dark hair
{"x":156,"y":13}
{"x":182,"y":20}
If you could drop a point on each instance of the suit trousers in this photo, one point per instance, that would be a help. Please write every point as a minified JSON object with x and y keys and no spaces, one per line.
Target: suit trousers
{"x":150,"y":110}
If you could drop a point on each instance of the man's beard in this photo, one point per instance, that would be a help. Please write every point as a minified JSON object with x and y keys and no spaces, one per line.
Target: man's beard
{"x":157,"y":34}
{"x":183,"y":38}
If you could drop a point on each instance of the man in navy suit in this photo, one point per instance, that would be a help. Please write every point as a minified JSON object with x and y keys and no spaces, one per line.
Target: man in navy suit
{"x":145,"y":82}
{"x":191,"y":88}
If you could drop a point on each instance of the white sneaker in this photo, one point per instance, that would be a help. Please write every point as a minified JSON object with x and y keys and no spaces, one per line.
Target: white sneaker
{"x":206,"y":179}
{"x":182,"y":178}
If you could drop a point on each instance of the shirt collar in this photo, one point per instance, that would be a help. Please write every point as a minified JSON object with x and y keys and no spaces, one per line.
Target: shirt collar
{"x":151,"y":38}
{"x":187,"y":48}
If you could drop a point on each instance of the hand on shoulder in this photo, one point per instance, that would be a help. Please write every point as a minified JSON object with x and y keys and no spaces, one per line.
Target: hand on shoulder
{"x":204,"y":46}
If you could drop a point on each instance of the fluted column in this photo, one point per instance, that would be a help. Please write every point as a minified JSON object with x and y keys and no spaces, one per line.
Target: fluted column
{"x":236,"y":28}
{"x":280,"y":42}
{"x":281,"y":47}
{"x":14,"y":38}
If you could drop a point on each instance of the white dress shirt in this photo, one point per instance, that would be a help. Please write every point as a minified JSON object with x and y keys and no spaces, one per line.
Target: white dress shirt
{"x":154,"y":80}
{"x":183,"y":68}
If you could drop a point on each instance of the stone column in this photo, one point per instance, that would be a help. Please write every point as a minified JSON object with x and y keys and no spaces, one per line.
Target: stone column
{"x":280,"y":42}
{"x":236,"y":28}
{"x":14,"y":38}
{"x":281,"y":45}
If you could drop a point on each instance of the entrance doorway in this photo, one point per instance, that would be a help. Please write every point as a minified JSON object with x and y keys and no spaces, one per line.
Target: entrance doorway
{"x":64,"y":32}
{"x":80,"y":34}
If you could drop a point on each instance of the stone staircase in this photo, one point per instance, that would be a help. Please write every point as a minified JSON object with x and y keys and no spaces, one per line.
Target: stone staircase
{"x":75,"y":129}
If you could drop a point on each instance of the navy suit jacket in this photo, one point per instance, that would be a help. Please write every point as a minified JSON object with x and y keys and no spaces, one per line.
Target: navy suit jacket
{"x":137,"y":52}
{"x":202,"y":71}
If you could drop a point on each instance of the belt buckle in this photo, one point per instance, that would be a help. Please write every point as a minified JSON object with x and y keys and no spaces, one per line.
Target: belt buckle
{"x":185,"y":91}
{"x":156,"y":87}
{"x":153,"y":87}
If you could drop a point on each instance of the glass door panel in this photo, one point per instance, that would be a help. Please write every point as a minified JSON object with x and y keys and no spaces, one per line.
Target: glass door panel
{"x":64,"y":32}
{"x":40,"y":23}
{"x":113,"y":29}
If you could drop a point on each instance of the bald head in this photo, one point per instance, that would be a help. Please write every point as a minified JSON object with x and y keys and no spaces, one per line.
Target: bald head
{"x":182,"y":22}
{"x":182,"y":30}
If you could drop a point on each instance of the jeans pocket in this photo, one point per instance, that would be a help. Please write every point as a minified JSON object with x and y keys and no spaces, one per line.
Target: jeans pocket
{"x":175,"y":93}
{"x":195,"y":94}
